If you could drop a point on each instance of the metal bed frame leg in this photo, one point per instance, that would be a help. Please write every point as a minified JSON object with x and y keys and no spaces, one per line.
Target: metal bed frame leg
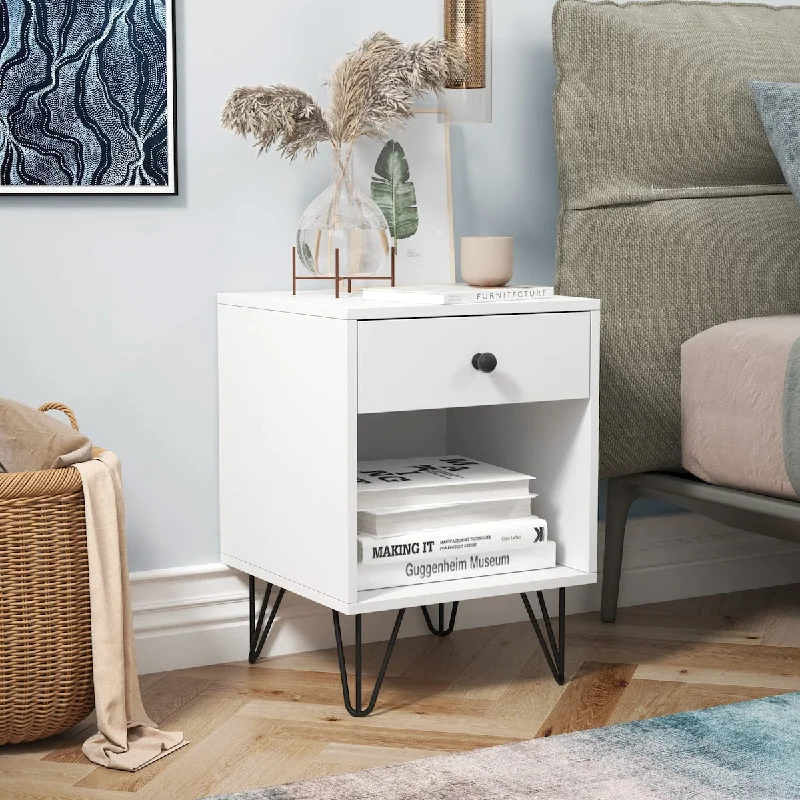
{"x":358,"y":709}
{"x":441,"y":630}
{"x":621,"y":494}
{"x":258,"y":630}
{"x":553,"y":652}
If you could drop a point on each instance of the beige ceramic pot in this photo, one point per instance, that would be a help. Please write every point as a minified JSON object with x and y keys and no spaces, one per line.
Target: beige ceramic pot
{"x":487,"y":260}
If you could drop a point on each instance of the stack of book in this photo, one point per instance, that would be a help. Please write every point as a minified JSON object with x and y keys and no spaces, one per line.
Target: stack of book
{"x":445,"y":518}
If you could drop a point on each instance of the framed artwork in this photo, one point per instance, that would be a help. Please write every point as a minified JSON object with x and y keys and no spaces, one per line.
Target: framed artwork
{"x":408,"y":176}
{"x":87,"y":97}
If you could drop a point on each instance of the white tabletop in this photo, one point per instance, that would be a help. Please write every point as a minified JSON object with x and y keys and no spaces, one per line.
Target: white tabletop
{"x":353,"y":307}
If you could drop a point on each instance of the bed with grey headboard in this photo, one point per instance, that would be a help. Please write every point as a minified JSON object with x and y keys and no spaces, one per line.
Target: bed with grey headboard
{"x":676,"y":214}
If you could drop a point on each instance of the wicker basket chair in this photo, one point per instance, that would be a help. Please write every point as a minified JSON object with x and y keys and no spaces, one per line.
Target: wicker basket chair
{"x":45,"y":632}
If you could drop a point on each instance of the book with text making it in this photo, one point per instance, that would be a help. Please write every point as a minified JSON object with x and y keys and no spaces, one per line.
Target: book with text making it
{"x":435,"y":480}
{"x":454,"y":294}
{"x":484,"y":537}
{"x":406,"y":572}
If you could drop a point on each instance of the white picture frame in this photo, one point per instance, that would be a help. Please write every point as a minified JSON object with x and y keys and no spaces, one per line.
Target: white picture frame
{"x":428,"y":255}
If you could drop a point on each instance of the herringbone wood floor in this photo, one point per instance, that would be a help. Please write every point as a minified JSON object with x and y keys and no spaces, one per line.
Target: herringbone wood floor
{"x":282,"y":720}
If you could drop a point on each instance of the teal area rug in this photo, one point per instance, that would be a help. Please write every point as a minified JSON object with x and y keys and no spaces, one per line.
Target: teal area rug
{"x":747,"y":751}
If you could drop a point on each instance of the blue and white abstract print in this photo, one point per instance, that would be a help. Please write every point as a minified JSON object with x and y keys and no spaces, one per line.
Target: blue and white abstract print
{"x":86,"y":96}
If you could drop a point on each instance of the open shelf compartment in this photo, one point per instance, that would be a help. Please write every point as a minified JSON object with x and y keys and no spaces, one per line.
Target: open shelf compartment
{"x":551,"y":441}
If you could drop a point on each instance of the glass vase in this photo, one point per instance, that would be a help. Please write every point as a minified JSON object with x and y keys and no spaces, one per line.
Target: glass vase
{"x":344,"y":218}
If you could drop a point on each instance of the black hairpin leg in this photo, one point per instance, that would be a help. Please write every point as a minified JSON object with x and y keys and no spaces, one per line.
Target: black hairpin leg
{"x":554,"y":652}
{"x":441,"y":630}
{"x":258,"y":630}
{"x":358,"y":710}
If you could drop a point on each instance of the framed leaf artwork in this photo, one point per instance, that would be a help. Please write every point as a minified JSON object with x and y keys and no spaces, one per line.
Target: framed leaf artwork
{"x":408,"y":175}
{"x":87,"y":97}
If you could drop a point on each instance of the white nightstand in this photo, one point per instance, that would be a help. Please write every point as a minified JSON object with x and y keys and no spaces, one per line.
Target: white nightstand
{"x":310,"y":385}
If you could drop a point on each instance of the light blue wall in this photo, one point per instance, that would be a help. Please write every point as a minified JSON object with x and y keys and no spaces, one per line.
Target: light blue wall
{"x":109,"y":304}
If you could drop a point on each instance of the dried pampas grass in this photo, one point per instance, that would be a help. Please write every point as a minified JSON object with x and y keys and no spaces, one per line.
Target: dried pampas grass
{"x":376,"y":85}
{"x":436,"y":64}
{"x":277,"y":116}
{"x":372,"y":88}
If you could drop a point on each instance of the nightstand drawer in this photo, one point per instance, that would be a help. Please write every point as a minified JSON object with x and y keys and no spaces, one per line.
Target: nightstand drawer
{"x":407,"y":364}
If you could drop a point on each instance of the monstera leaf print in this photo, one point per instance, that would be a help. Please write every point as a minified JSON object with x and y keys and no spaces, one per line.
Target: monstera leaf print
{"x":394,"y":192}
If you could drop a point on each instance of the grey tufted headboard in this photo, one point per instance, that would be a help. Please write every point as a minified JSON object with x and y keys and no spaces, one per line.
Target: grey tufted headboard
{"x":674,"y":210}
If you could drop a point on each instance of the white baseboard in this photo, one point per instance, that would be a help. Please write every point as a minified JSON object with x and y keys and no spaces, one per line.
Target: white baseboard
{"x":193,"y":616}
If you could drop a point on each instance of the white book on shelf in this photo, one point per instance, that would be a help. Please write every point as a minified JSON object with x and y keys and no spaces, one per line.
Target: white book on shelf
{"x":456,"y":567}
{"x":434,"y":480}
{"x":398,"y":521}
{"x":484,"y":537}
{"x":454,"y":293}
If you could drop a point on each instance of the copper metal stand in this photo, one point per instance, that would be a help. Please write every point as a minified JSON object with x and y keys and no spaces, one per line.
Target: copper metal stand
{"x":337,"y":276}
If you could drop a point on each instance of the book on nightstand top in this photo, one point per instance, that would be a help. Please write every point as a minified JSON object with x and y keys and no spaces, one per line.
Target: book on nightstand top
{"x":452,"y":294}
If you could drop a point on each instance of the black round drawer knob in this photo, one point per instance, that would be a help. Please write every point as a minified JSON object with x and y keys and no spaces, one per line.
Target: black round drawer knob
{"x":484,"y":362}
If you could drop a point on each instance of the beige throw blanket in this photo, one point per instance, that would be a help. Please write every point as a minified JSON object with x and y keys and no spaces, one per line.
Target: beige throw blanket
{"x":127,"y":739}
{"x":32,"y":441}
